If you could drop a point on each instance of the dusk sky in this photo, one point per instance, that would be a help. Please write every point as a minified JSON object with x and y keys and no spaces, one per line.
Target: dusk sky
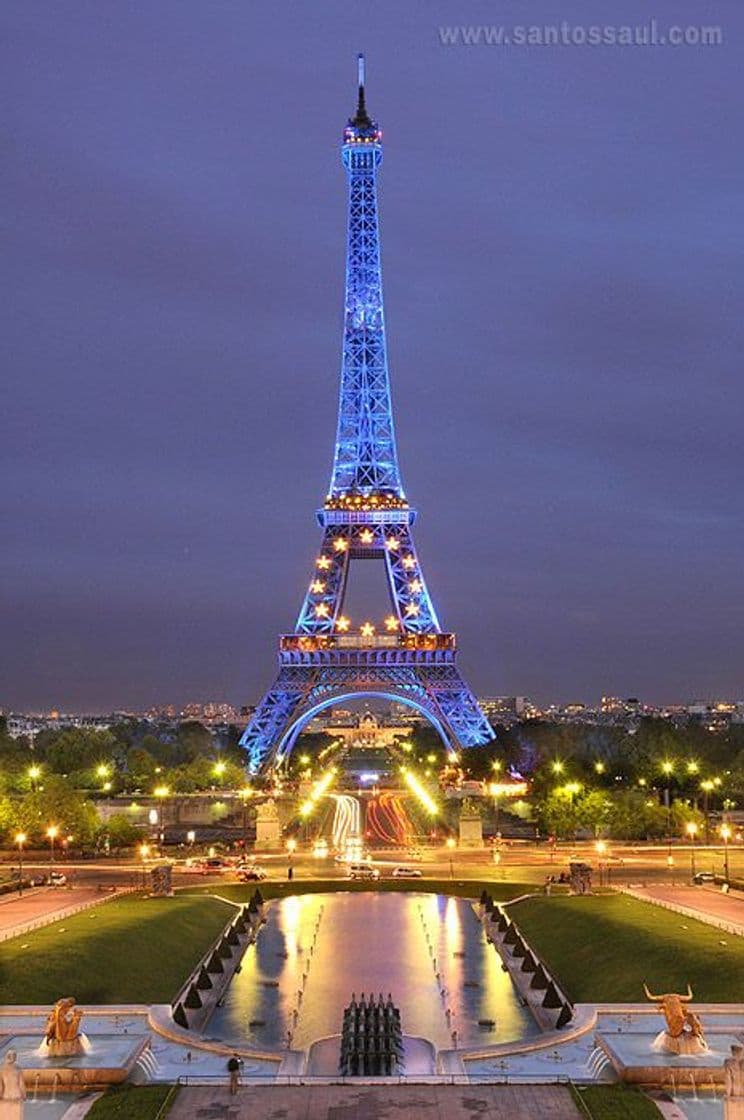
{"x":562,"y":256}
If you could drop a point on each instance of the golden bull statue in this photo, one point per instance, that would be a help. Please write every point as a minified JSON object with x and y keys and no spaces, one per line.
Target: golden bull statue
{"x":684,"y":1031}
{"x":62,"y":1034}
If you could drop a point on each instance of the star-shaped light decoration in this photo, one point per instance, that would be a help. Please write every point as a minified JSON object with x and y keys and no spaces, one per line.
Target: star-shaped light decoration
{"x":408,"y":563}
{"x":340,"y":544}
{"x":393,"y":544}
{"x":415,"y":585}
{"x":412,"y":609}
{"x":323,"y":562}
{"x":317,"y":586}
{"x":367,"y":630}
{"x":391,"y":622}
{"x":322,"y":610}
{"x":366,"y":536}
{"x":342,"y":623}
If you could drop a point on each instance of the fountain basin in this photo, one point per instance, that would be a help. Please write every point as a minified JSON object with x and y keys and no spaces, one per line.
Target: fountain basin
{"x":108,"y":1061}
{"x":635,"y":1061}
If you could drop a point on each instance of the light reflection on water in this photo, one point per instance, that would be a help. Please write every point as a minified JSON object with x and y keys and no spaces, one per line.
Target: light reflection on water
{"x":370,"y":942}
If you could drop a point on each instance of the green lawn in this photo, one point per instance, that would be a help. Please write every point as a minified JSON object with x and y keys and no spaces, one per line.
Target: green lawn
{"x":130,"y":950}
{"x":602,"y":948}
{"x":464,"y":888}
{"x":614,"y":1102}
{"x":130,"y":1103}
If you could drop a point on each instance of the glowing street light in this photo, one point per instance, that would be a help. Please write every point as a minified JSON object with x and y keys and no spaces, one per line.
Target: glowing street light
{"x":557,"y":766}
{"x":726,"y":836}
{"x":20,"y":839}
{"x":161,"y":792}
{"x":34,"y":773}
{"x":691,"y":829}
{"x":102,"y":770}
{"x":451,"y":844}
{"x":52,"y":833}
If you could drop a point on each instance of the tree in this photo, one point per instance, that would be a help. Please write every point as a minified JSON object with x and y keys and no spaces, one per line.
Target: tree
{"x":56,"y":803}
{"x":121,"y":831}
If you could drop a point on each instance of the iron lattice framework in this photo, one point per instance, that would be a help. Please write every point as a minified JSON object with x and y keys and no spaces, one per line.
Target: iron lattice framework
{"x":365,"y":517}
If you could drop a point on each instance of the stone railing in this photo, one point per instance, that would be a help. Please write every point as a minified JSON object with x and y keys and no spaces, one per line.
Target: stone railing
{"x":208,"y":981}
{"x":533,"y":980}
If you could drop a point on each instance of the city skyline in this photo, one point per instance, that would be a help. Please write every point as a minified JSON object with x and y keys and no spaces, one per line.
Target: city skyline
{"x":562,"y":327}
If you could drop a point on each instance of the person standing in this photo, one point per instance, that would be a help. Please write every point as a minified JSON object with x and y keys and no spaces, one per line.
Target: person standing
{"x":233,"y":1068}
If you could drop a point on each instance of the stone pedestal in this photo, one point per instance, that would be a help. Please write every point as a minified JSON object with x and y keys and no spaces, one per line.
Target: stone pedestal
{"x":471,"y":831}
{"x":268,"y":827}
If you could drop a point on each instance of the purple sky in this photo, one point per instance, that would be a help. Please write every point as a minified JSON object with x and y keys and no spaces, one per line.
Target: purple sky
{"x":562,"y":258}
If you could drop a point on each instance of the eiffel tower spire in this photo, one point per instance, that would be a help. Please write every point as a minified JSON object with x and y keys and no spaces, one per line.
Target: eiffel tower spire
{"x":366,"y":516}
{"x":366,"y":458}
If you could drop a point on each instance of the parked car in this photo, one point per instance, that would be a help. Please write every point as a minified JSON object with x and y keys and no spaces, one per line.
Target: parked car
{"x":57,"y":879}
{"x":407,"y":872}
{"x":704,"y":877}
{"x":251,"y":874}
{"x":363,"y":871}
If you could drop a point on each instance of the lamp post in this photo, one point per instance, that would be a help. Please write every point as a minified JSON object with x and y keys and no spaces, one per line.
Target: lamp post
{"x":692,"y":830}
{"x":451,"y":845}
{"x":20,"y":840}
{"x":144,"y":851}
{"x":601,"y":848}
{"x":667,"y":769}
{"x":707,"y":786}
{"x":161,"y":792}
{"x":52,"y":832}
{"x":726,"y":836}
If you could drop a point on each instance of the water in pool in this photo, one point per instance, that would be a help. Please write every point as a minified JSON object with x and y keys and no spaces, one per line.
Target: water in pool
{"x":376,"y":942}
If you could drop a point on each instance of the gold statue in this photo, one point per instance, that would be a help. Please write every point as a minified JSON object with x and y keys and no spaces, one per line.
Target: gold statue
{"x":684,"y":1031}
{"x":62,"y":1034}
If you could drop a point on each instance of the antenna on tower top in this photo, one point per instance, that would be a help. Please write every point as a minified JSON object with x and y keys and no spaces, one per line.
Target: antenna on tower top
{"x":362,"y":116}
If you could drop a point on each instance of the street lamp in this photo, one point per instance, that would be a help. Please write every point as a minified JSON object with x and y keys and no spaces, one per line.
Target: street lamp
{"x":291,"y":846}
{"x":451,"y":842}
{"x":20,"y":839}
{"x":667,"y":769}
{"x":600,"y":848}
{"x":52,"y":832}
{"x":495,"y":790}
{"x":691,"y":829}
{"x":144,"y":851}
{"x":34,"y":773}
{"x":161,"y":792}
{"x":219,"y":769}
{"x":726,"y":835}
{"x":707,"y":786}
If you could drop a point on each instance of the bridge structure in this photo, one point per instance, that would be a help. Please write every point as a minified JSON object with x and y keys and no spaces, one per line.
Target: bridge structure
{"x":330,"y":658}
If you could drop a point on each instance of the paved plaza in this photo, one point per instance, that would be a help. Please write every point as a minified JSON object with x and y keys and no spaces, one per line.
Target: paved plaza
{"x":371,"y":1102}
{"x":41,"y":904}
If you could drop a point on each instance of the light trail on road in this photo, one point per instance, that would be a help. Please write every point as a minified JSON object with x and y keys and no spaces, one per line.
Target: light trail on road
{"x":388,"y":821}
{"x":347,"y":820}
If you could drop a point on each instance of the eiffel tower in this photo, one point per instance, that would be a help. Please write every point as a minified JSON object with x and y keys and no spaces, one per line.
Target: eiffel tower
{"x":366,"y":516}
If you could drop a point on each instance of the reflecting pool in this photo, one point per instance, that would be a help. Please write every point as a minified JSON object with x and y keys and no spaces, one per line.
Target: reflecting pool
{"x":428,"y":950}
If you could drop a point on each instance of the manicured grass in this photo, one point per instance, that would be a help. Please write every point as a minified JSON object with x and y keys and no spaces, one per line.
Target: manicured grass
{"x":602,"y":949}
{"x":126,"y":1102}
{"x":270,"y":888}
{"x":130,"y":950}
{"x":614,"y":1102}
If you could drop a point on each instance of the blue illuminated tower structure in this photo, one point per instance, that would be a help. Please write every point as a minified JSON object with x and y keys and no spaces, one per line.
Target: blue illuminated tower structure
{"x":329,"y":657}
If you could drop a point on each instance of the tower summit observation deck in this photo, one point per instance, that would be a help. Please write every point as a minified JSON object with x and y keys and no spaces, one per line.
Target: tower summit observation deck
{"x":329,"y":657}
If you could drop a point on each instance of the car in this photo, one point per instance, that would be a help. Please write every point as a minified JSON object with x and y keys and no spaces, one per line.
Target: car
{"x":363,"y":871}
{"x":213,"y":864}
{"x":407,"y":873}
{"x":251,"y":874}
{"x":704,"y":877}
{"x":57,"y":879}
